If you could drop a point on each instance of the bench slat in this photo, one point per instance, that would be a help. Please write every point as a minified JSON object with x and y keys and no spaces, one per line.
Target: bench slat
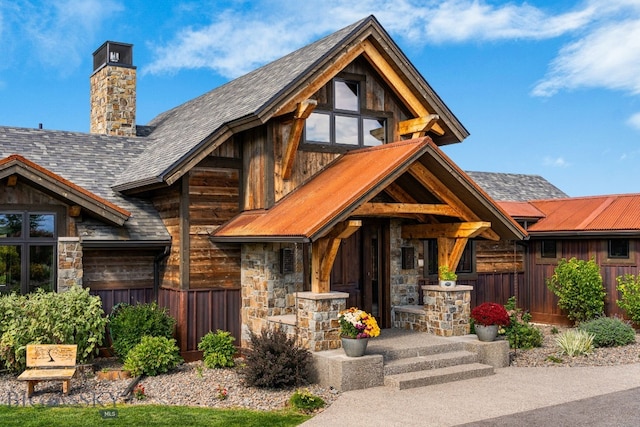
{"x":47,"y":374}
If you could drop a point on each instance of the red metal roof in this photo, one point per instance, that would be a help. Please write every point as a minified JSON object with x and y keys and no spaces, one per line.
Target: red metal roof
{"x":330,"y":196}
{"x":521,"y":210}
{"x":599,"y":213}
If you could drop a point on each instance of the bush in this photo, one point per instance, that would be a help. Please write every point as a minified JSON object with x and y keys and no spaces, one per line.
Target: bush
{"x":609,"y":332}
{"x":575,"y":342}
{"x":129,"y":323}
{"x":153,"y":356}
{"x":274,"y":361}
{"x":629,"y":288}
{"x":72,"y":317}
{"x":218,"y":349}
{"x":520,"y":333}
{"x":578,"y":285}
{"x":305,"y":401}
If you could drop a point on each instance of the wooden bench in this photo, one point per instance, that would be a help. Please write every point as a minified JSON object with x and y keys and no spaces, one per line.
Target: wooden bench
{"x":49,"y":362}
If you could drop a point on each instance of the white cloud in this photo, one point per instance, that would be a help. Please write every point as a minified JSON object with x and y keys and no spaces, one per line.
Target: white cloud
{"x":608,"y":57}
{"x":634,"y":121}
{"x":556,"y":162}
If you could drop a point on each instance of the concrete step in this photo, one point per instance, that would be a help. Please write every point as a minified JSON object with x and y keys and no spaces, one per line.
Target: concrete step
{"x":431,"y":361}
{"x":437,"y":376}
{"x":391,"y":353}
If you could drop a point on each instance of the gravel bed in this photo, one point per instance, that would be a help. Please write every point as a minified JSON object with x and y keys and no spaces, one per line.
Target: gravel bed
{"x":549,"y":355}
{"x":190,"y":384}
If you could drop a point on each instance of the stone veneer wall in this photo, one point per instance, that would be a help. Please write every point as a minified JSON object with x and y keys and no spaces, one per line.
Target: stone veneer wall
{"x":318,"y":324}
{"x":404,"y":283}
{"x":448,"y":310}
{"x":265,"y":291}
{"x":113,"y":101}
{"x":70,"y":270}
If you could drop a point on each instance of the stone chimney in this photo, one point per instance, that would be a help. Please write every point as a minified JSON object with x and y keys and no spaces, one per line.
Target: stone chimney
{"x":113,"y":90}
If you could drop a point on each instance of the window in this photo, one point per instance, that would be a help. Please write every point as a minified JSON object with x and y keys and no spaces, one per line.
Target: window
{"x":619,"y":248}
{"x":27,"y":251}
{"x":548,"y":249}
{"x":466,"y":265}
{"x":343,"y":122}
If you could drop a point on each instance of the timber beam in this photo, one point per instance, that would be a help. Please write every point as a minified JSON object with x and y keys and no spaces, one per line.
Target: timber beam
{"x":417,"y":127}
{"x":324,"y":251}
{"x":450,"y":251}
{"x":466,"y":230}
{"x":303,"y":111}
{"x":403,"y":209}
{"x":430,"y":181}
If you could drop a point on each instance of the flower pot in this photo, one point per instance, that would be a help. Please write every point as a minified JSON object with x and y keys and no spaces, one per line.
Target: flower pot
{"x":486,"y":333}
{"x":448,"y":283}
{"x":354,"y":347}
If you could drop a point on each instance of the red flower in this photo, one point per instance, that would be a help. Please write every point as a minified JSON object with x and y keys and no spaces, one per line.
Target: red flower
{"x":490,"y":313}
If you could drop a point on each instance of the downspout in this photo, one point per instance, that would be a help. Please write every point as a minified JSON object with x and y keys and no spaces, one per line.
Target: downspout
{"x":156,"y":270}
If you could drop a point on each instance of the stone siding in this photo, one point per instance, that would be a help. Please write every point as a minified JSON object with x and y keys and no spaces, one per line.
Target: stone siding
{"x":318,"y":324}
{"x":70,"y":270}
{"x":113,"y":101}
{"x":448,"y":310}
{"x":404,"y":282}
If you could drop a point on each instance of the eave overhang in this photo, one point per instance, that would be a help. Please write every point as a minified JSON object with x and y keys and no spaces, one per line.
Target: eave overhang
{"x":59,"y":187}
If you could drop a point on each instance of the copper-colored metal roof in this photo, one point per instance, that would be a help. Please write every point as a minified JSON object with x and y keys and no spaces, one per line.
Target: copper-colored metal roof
{"x":521,"y":209}
{"x":351,"y":180}
{"x":329,"y":197}
{"x":614,"y":213}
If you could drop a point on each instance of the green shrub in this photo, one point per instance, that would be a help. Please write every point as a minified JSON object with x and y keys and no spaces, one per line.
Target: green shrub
{"x":153,"y":356}
{"x":609,"y":332}
{"x":520,"y":333}
{"x":129,"y":323}
{"x":71,"y":317}
{"x":578,"y":285}
{"x":218,"y":349}
{"x":575,"y":342}
{"x":274,"y":361}
{"x":629,"y":288}
{"x":305,"y":401}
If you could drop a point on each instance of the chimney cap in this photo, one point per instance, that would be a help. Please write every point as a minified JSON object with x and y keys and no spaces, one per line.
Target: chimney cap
{"x":113,"y":53}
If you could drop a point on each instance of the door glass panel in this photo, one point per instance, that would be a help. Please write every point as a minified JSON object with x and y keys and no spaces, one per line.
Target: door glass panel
{"x":318,"y":128}
{"x":373,"y":132}
{"x":346,"y":96}
{"x":41,"y":268}
{"x":346,"y":130}
{"x":10,"y":256}
{"x":10,"y":225}
{"x":41,"y":225}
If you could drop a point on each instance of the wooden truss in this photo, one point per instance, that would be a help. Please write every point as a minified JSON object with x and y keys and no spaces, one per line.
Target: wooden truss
{"x":324,"y":251}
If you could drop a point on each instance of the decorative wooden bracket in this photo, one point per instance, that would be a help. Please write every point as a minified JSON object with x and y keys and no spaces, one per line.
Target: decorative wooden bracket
{"x":303,"y":111}
{"x":324,"y":251}
{"x":417,"y":127}
{"x":12,"y":180}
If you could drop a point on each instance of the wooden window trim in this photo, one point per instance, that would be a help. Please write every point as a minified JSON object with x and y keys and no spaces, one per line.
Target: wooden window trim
{"x":538,"y":251}
{"x":631,"y":260}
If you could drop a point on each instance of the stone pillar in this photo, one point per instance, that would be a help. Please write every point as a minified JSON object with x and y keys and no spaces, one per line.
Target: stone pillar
{"x":318,"y":319}
{"x":447,"y":309}
{"x":113,"y":101}
{"x":70,"y":270}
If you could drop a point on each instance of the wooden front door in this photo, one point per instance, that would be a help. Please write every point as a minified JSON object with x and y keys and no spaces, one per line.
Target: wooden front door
{"x":361,"y":269}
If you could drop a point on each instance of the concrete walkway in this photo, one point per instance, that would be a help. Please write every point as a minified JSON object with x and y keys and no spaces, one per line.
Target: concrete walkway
{"x":513,"y":396}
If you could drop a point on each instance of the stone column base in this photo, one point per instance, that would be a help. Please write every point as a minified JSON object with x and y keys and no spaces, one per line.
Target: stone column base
{"x":318,"y":319}
{"x":447,"y":309}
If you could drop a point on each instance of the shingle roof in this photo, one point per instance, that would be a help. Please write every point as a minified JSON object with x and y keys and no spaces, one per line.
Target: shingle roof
{"x":190,"y":128}
{"x":516,"y":187}
{"x":90,"y":162}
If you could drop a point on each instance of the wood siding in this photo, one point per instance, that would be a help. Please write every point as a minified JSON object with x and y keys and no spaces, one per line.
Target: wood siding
{"x":543,"y":304}
{"x":167,"y":203}
{"x":200,"y":311}
{"x":118,"y":269}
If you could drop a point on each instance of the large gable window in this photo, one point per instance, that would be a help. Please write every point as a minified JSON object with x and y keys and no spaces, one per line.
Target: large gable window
{"x":343,"y":121}
{"x":27,"y":251}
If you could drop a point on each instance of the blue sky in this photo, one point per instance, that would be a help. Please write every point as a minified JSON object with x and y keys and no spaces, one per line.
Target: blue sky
{"x":544,"y":87}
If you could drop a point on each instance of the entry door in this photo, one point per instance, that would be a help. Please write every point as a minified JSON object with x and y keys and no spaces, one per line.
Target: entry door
{"x":361,"y":269}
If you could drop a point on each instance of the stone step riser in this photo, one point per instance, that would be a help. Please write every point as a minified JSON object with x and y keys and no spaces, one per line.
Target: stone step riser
{"x":423,"y":363}
{"x":395,"y":354}
{"x":437,"y":376}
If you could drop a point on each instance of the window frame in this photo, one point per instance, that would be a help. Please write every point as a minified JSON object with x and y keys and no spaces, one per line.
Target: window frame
{"x":631,"y":249}
{"x":430,"y":255}
{"x":547,"y":260}
{"x":26,"y":242}
{"x":361,"y":115}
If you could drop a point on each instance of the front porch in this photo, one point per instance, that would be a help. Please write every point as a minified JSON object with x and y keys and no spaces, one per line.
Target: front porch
{"x":405,"y":359}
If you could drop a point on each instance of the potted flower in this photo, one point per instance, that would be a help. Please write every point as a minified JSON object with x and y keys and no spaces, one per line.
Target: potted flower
{"x":487,"y":318}
{"x":356,"y":327}
{"x":447,"y":277}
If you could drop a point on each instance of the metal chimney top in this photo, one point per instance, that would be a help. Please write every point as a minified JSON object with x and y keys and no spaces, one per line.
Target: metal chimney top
{"x":113,"y":53}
